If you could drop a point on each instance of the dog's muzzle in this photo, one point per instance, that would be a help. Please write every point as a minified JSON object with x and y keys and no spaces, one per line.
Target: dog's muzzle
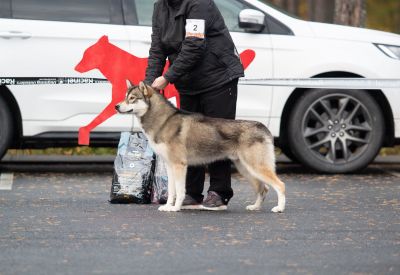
{"x":118,"y":108}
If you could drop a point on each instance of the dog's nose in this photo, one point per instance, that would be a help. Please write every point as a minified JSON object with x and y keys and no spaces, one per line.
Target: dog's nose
{"x":117,"y":107}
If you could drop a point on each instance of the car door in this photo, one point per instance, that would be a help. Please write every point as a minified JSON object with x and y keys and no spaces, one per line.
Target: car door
{"x":253,"y":101}
{"x":138,"y":17}
{"x":46,"y":39}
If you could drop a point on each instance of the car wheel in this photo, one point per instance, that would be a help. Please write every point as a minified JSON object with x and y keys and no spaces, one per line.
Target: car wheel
{"x":336,"y":131}
{"x":6,"y":127}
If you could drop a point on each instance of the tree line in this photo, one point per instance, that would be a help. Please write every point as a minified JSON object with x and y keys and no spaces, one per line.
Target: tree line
{"x":376,"y":14}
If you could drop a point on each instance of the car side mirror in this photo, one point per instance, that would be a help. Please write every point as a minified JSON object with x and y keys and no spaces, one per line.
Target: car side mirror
{"x":251,"y":20}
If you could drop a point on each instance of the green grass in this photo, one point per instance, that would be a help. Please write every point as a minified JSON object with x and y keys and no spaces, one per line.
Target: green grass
{"x":74,"y":151}
{"x":390,"y":151}
{"x":87,"y":151}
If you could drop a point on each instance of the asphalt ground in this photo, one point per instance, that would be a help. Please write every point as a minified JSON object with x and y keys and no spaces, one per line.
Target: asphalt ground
{"x":61,"y":223}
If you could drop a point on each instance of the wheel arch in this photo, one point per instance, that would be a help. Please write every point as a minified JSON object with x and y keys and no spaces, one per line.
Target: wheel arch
{"x":378,"y":96}
{"x":8,"y":97}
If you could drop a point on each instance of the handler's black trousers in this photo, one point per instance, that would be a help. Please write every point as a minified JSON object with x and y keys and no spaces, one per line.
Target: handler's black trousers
{"x":219,"y":103}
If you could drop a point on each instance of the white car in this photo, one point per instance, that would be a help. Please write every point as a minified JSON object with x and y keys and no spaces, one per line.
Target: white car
{"x":328,"y":130}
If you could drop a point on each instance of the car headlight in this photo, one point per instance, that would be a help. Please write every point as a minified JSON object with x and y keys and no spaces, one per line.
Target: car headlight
{"x":390,"y":50}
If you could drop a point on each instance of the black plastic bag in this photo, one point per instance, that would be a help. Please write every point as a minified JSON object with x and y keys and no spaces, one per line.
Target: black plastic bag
{"x":133,"y":170}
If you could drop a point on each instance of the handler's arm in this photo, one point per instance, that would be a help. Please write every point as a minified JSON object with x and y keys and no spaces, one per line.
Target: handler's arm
{"x":157,"y":57}
{"x":193,"y":47}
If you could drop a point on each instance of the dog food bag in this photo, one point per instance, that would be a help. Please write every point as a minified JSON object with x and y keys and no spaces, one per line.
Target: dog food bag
{"x":159,"y":193}
{"x":133,"y":170}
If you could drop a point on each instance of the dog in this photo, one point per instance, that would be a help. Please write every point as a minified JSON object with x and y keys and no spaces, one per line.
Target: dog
{"x":181,"y":138}
{"x":118,"y":65}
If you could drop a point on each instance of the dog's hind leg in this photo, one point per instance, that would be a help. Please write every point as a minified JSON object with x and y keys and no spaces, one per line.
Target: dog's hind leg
{"x":260,"y":188}
{"x":262,"y":191}
{"x":264,"y":170}
{"x":268,"y":176}
{"x":278,"y":185}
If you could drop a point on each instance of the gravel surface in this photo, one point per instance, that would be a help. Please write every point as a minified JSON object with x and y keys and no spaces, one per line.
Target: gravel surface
{"x":62,"y":223}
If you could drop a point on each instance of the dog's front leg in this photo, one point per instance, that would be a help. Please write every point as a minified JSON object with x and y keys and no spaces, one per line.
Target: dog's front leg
{"x":171,"y":190}
{"x":179,"y":172}
{"x":180,"y":185}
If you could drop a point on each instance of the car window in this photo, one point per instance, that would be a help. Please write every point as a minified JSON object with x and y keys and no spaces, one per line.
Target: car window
{"x":5,"y":9}
{"x":230,"y":11}
{"x":88,"y":11}
{"x":144,"y":10}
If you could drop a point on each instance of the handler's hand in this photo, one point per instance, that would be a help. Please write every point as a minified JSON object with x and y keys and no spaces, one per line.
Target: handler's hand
{"x":160,"y":83}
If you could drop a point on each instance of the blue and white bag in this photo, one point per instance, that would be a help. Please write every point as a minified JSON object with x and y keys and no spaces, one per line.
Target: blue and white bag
{"x":159,"y":192}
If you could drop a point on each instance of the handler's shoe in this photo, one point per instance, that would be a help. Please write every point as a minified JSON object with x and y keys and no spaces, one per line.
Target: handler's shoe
{"x":191,"y":204}
{"x":214,"y":202}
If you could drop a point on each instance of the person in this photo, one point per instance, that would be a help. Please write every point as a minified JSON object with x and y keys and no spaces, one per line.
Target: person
{"x":204,"y":67}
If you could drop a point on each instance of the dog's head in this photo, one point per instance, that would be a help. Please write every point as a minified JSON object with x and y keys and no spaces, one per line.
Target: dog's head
{"x":137,"y":100}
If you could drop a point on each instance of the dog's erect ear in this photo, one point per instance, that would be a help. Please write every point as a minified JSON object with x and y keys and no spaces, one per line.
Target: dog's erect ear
{"x":146,"y":90}
{"x":129,"y":84}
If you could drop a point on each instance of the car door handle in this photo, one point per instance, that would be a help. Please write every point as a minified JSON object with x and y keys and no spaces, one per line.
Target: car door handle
{"x":146,"y":42}
{"x":15,"y":34}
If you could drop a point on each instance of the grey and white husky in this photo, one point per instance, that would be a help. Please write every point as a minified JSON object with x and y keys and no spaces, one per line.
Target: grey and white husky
{"x":183,"y":139}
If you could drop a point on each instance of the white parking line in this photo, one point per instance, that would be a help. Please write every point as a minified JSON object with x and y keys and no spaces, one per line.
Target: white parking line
{"x":6,"y":181}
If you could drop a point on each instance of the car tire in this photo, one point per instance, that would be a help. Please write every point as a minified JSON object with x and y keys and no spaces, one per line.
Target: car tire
{"x":287,"y":151}
{"x":6,"y":127}
{"x":336,"y":131}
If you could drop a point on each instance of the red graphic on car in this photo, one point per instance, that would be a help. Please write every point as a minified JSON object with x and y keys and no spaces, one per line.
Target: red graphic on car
{"x":118,"y":66}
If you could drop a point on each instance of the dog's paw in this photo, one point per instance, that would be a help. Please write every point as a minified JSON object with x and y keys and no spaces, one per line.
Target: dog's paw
{"x":168,"y":208}
{"x":165,"y":207}
{"x":253,"y":207}
{"x":277,"y":209}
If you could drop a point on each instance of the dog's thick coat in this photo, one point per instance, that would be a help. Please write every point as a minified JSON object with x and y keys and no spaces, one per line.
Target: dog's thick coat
{"x":183,"y":139}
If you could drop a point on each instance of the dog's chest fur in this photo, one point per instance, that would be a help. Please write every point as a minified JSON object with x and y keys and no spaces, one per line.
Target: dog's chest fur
{"x":160,"y":149}
{"x":154,"y":124}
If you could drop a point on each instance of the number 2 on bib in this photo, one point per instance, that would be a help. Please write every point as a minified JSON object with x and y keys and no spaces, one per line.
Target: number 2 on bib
{"x":195,"y":28}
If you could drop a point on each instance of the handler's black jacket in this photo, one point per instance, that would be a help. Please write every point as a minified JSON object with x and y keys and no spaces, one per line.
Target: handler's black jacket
{"x":197,"y":65}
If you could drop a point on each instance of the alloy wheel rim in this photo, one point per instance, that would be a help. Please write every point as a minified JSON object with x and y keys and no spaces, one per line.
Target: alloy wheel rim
{"x":337,"y":128}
